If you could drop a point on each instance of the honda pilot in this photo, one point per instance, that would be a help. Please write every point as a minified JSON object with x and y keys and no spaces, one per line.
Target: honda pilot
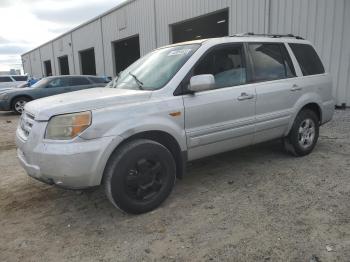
{"x":176,"y":104}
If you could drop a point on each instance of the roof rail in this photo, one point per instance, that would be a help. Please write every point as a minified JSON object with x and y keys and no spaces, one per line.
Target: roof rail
{"x":268,"y":35}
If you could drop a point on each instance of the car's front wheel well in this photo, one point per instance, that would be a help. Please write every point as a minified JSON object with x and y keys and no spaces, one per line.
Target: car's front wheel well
{"x":166,"y":140}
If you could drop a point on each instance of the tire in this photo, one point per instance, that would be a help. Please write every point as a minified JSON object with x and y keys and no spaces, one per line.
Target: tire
{"x":139,"y":176}
{"x":304,"y":134}
{"x":19,"y":103}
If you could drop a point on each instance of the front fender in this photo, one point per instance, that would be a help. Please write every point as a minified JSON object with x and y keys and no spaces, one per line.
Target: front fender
{"x":125,"y":126}
{"x":134,"y":118}
{"x":132,"y":127}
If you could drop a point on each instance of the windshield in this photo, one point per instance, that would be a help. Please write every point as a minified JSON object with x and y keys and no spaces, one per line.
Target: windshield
{"x":154,"y":70}
{"x":41,"y":83}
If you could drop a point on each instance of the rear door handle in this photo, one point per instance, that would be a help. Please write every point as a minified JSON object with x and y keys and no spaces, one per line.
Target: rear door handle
{"x":245,"y":96}
{"x":295,"y":87}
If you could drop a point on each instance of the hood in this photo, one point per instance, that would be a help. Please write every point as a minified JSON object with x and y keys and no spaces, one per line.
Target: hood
{"x":89,"y":99}
{"x":4,"y":90}
{"x":12,"y":90}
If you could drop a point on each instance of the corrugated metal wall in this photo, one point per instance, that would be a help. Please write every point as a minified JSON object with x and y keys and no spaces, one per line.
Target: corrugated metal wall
{"x":137,"y":18}
{"x":26,"y":64}
{"x":63,"y":47}
{"x":326,"y":23}
{"x":87,"y":37}
{"x":244,"y":15}
{"x":343,"y":74}
{"x":35,"y":60}
{"x":46,"y":53}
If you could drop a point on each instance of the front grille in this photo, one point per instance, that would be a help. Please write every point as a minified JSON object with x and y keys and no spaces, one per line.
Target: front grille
{"x":26,"y":123}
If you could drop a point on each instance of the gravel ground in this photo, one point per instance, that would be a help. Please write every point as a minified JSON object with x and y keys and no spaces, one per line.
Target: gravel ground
{"x":253,"y":204}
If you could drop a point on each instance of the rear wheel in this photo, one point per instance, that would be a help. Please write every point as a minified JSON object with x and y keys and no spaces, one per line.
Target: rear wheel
{"x":19,"y":103}
{"x":304,"y":134}
{"x":139,"y":176}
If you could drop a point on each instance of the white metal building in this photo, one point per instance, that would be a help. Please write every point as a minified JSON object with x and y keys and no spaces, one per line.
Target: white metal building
{"x":108,"y":43}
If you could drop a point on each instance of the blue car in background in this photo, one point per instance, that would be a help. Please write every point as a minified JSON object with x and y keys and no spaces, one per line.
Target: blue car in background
{"x":14,"y":99}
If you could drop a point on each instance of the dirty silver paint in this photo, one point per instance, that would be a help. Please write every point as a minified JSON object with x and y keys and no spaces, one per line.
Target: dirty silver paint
{"x":201,"y":130}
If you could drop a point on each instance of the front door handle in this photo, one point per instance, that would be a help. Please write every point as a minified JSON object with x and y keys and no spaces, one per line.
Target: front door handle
{"x":245,"y":96}
{"x":295,"y":87}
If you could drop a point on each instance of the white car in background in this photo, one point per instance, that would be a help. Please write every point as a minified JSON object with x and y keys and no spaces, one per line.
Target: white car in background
{"x":8,"y":81}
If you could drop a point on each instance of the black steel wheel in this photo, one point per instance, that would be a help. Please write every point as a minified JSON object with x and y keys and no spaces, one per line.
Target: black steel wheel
{"x":139,"y":176}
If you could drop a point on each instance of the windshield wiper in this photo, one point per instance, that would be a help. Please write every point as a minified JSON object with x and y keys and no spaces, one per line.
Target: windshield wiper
{"x":139,"y":83}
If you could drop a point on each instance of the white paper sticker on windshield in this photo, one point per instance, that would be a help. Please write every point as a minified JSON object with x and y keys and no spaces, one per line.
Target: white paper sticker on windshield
{"x":180,"y":52}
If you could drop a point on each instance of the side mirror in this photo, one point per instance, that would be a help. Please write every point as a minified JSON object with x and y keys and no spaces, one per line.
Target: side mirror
{"x":201,"y":83}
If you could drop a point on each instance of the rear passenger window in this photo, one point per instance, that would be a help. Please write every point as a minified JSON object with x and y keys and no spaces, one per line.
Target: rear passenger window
{"x":310,"y":63}
{"x":270,"y":62}
{"x":78,"y":81}
{"x":225,"y":64}
{"x":5,"y":79}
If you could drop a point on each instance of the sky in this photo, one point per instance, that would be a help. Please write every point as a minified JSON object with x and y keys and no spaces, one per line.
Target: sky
{"x":26,"y":24}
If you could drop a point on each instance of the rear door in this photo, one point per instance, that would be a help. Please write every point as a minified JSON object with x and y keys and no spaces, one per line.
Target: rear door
{"x":221,"y":119}
{"x":274,"y":78}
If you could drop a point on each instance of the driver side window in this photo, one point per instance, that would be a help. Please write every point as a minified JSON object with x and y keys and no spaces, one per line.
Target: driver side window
{"x":226,"y":64}
{"x":58,"y":82}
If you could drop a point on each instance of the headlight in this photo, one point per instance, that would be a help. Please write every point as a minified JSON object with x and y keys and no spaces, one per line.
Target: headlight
{"x":66,"y":127}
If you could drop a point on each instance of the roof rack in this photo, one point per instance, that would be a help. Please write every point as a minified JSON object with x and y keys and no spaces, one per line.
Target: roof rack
{"x":268,"y":35}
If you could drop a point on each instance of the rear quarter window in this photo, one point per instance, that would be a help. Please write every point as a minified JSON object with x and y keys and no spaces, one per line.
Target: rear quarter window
{"x":309,"y":61}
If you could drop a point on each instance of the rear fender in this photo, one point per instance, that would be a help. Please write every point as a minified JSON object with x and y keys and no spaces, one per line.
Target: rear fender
{"x":309,"y":98}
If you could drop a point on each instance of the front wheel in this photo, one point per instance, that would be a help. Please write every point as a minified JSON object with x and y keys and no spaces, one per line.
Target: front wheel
{"x":304,"y":134}
{"x":19,"y":103}
{"x":139,"y":176}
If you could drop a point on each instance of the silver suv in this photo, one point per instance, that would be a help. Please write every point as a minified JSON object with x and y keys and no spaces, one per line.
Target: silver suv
{"x":176,"y":104}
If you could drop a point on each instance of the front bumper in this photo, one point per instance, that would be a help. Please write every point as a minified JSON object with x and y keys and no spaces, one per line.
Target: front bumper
{"x":32,"y":170}
{"x":75,"y":164}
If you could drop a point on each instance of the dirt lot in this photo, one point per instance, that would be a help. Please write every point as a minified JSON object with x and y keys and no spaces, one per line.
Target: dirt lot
{"x":255,"y":204}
